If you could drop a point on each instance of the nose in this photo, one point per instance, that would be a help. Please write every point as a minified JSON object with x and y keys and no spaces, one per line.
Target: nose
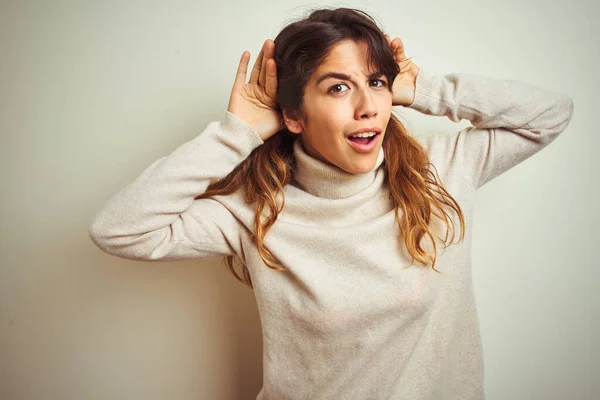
{"x":366,"y":107}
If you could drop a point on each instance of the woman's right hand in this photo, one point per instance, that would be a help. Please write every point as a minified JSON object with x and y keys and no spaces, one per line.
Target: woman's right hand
{"x":255,"y":101}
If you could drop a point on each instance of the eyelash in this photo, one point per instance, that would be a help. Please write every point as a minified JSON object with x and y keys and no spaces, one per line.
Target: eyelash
{"x":383,"y":84}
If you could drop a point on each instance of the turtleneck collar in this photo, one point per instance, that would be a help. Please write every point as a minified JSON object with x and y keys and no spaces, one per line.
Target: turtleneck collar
{"x":327,"y":181}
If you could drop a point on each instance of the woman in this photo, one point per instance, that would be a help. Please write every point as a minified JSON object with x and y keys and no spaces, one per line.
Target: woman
{"x":318,"y":189}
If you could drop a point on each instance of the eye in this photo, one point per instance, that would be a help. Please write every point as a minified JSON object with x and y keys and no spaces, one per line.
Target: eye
{"x":331,"y":89}
{"x":383,"y":83}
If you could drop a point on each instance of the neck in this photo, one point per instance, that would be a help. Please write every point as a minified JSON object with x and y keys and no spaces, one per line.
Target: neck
{"x":324,"y":180}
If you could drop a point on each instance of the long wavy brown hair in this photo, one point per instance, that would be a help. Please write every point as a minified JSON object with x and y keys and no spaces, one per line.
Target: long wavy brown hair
{"x":299,"y":49}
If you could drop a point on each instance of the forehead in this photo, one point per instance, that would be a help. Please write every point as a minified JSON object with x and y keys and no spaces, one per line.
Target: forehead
{"x":346,"y":56}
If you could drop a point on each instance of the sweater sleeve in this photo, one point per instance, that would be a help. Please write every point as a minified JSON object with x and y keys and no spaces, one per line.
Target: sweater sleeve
{"x":511,"y":121}
{"x":156,"y":217}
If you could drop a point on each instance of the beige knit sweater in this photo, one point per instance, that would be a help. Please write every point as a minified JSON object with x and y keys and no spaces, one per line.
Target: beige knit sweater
{"x":349,"y":320}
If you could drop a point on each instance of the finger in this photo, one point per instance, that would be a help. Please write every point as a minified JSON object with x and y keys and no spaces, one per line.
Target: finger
{"x":240,"y":76}
{"x":394,"y":46}
{"x":271,"y":79}
{"x":387,"y":38}
{"x":268,"y":53}
{"x":399,"y":47}
{"x":256,"y":69}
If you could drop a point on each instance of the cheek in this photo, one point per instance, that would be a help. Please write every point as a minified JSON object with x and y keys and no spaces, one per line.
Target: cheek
{"x":329,"y":125}
{"x":338,"y":126}
{"x":386,"y":101}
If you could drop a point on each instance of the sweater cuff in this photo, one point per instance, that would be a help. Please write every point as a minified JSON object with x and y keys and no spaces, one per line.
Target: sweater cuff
{"x":241,"y":129}
{"x":424,"y":91}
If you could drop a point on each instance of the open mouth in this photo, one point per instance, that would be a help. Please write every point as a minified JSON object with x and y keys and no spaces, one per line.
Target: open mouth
{"x":363,"y":140}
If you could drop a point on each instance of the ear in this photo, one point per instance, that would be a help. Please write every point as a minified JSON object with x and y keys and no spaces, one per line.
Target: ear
{"x":292,"y":123}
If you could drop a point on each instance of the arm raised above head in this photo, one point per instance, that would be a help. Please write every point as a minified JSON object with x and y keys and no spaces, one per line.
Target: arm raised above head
{"x":511,"y":120}
{"x":156,"y":217}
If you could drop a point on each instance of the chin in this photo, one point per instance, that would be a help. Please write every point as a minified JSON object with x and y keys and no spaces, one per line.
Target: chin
{"x":363,"y":168}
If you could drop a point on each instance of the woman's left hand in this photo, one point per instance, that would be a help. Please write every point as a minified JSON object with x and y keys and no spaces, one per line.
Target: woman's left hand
{"x":403,"y":89}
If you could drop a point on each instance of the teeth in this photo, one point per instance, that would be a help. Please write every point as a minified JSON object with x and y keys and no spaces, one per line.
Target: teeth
{"x":364,"y":134}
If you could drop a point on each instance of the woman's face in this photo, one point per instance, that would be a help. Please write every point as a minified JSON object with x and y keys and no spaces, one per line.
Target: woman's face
{"x":336,"y":106}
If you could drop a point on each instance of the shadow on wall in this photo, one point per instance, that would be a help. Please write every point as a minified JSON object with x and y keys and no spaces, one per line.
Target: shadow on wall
{"x":89,"y":322}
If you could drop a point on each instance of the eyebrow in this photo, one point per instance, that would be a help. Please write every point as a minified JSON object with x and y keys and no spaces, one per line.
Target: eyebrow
{"x":345,"y":77}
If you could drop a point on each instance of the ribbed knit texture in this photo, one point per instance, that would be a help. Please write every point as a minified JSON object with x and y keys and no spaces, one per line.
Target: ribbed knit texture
{"x":350,"y":320}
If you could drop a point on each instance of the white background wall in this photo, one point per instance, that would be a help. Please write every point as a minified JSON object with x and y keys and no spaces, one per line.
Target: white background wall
{"x":93,"y":91}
